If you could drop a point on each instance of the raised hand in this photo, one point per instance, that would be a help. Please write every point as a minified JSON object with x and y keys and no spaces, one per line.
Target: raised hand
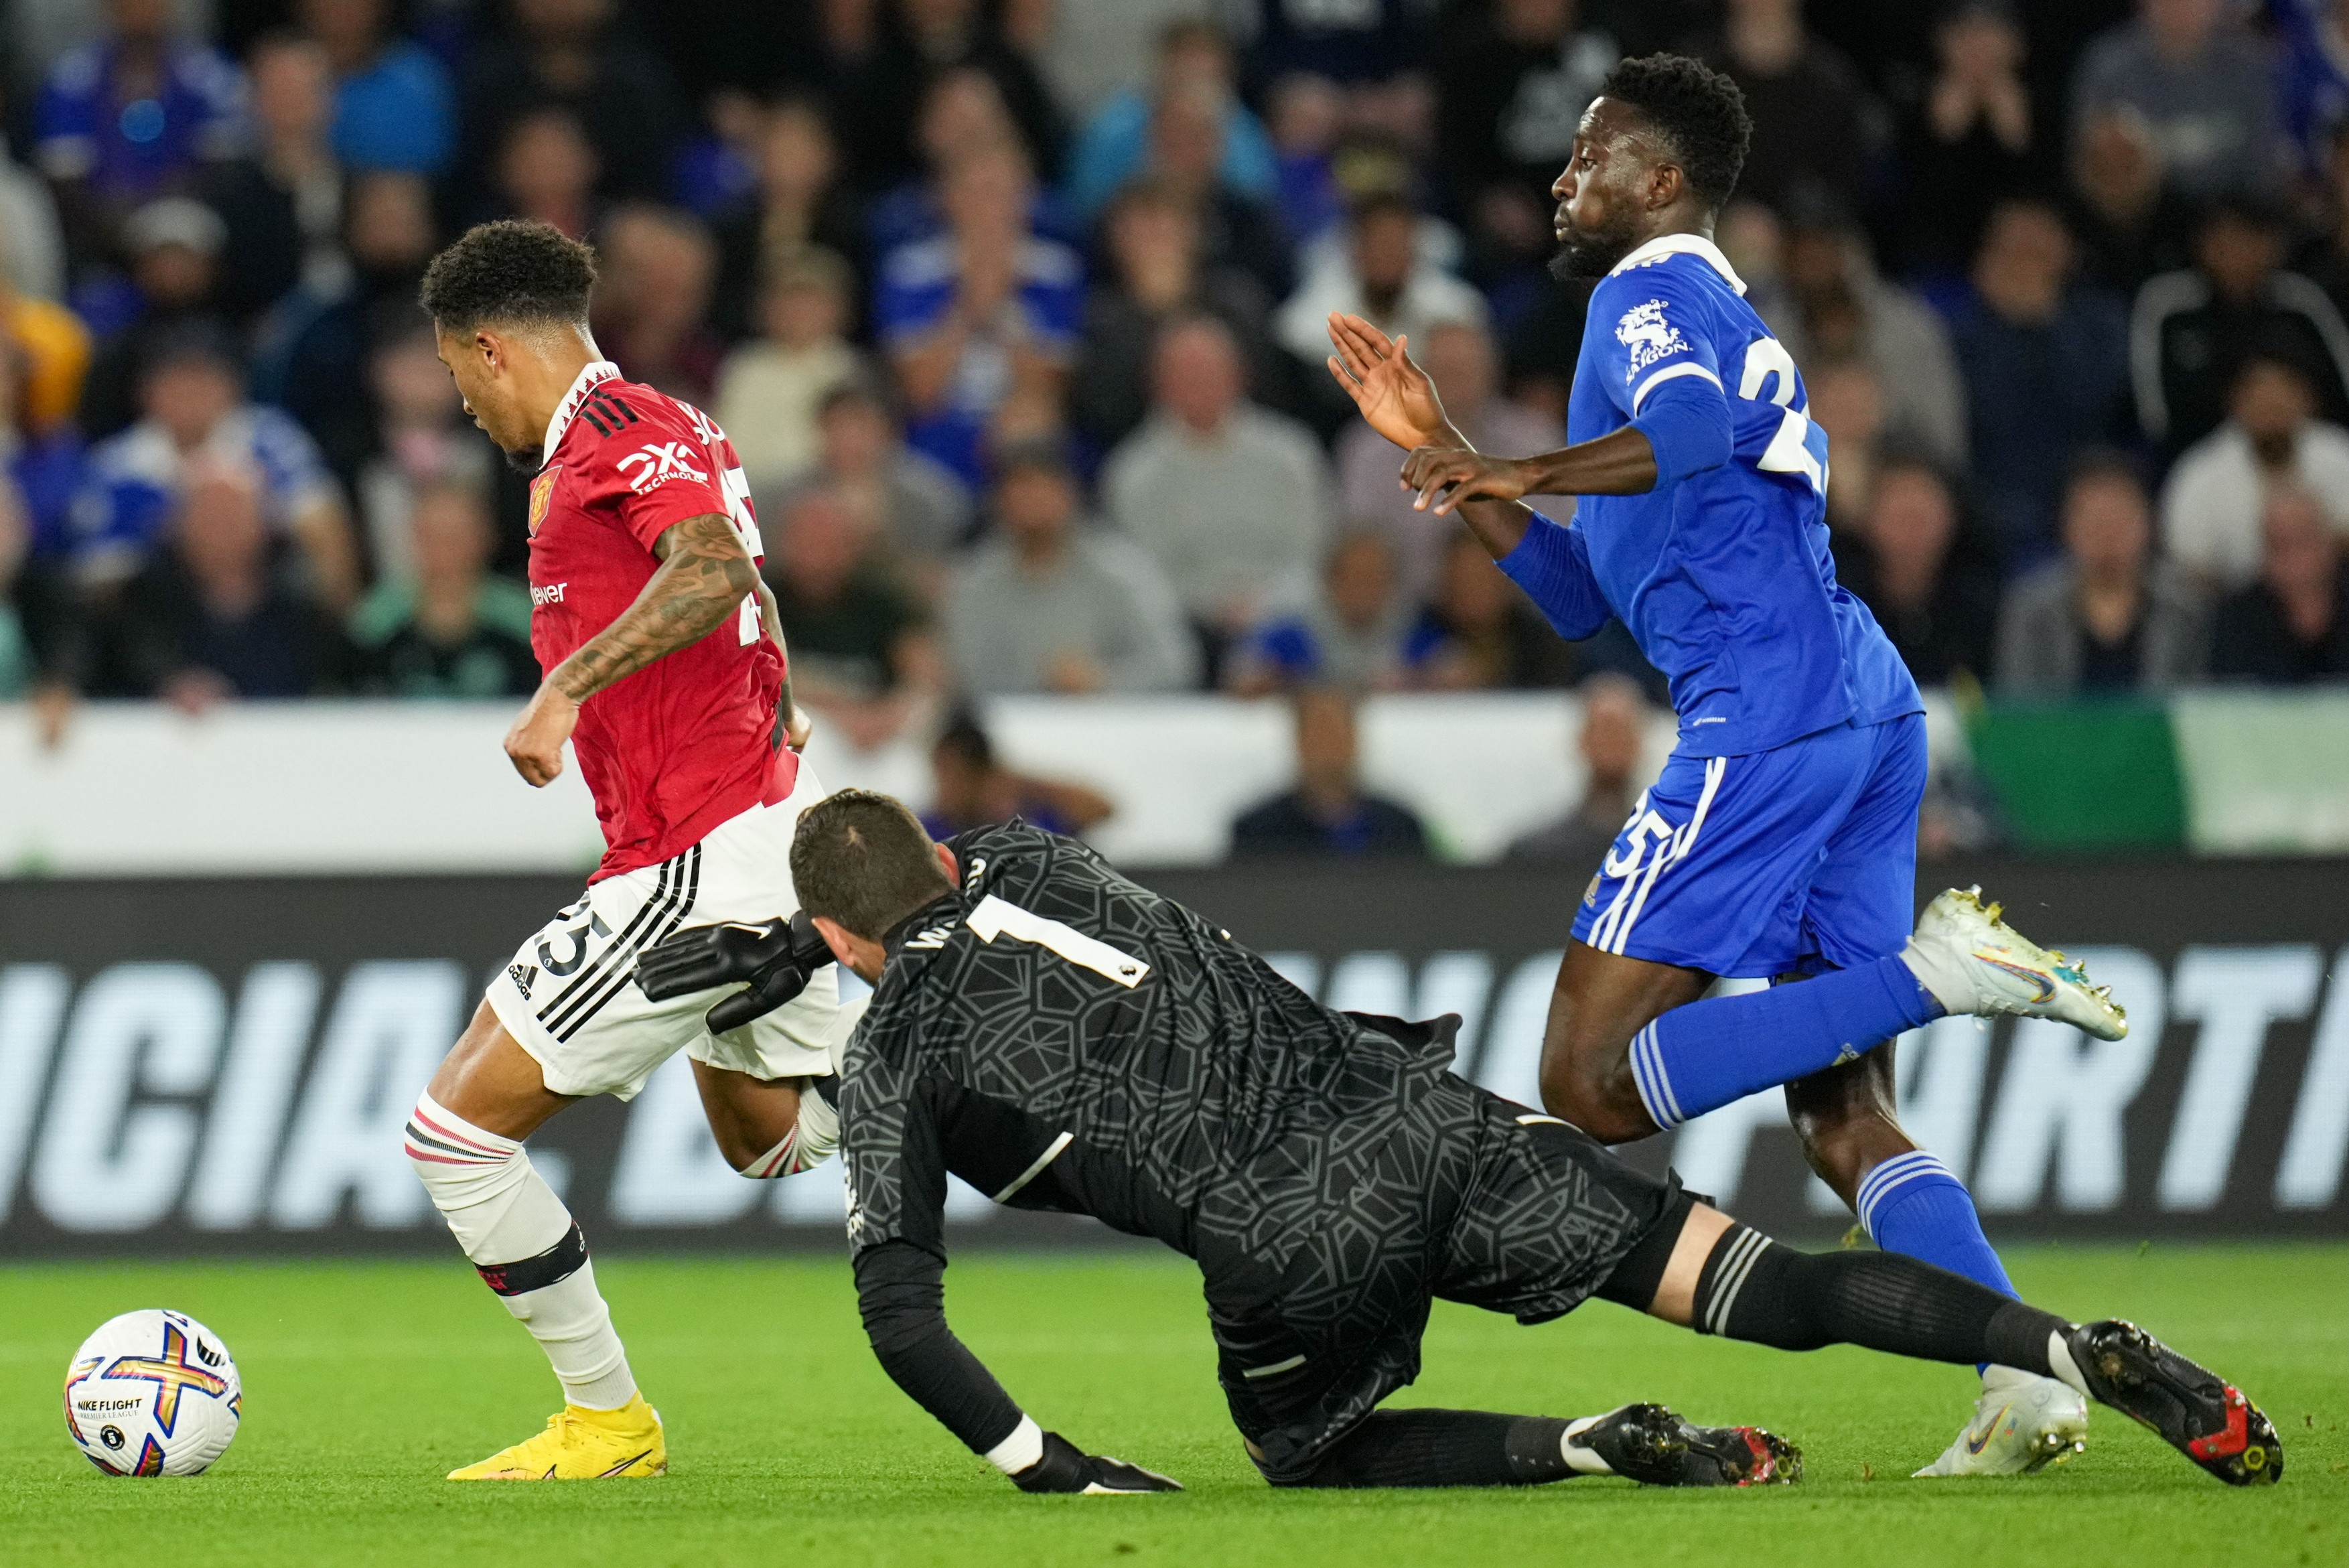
{"x":1396,"y":397}
{"x":1446,"y":476}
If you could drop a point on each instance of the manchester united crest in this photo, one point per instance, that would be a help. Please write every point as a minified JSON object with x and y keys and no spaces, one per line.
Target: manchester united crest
{"x":541,"y":491}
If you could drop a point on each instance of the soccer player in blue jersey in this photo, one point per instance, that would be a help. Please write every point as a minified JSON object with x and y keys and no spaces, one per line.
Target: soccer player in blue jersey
{"x":1780,"y":842}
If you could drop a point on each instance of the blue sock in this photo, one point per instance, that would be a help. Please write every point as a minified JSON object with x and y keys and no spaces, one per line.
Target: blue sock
{"x":1911,"y":1204}
{"x":1707,"y":1054}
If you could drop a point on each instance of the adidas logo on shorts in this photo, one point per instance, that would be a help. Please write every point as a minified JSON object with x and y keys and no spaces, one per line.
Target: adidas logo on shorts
{"x":523,"y":975}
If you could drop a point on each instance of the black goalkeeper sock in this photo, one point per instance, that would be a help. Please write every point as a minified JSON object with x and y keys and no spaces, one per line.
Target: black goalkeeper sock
{"x":1444,"y":1448}
{"x":1754,"y":1289}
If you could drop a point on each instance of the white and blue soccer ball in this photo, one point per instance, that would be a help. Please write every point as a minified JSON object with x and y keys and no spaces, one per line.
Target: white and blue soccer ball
{"x":152,"y":1393}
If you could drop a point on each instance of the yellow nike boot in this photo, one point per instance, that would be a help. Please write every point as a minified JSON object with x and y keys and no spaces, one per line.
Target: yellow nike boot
{"x":582,"y":1445}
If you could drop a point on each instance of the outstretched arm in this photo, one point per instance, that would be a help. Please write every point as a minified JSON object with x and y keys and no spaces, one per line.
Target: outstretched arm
{"x":1621,"y":462}
{"x":1398,"y":399}
{"x":703,"y":574}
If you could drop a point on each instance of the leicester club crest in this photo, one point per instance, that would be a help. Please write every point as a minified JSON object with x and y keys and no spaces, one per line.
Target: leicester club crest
{"x":541,"y":491}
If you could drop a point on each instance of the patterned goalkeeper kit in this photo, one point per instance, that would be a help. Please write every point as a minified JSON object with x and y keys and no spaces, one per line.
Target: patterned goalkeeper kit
{"x":1062,"y":1038}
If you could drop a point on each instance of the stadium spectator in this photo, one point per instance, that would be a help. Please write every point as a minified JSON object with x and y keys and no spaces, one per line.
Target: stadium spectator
{"x":1921,"y":566}
{"x":175,"y":247}
{"x":2045,"y":370}
{"x":546,"y":171}
{"x":2191,"y":329}
{"x":862,"y":651}
{"x":32,"y":242}
{"x":971,"y":787}
{"x":446,"y":627}
{"x":2108,"y":616}
{"x":2290,"y":626}
{"x":563,"y":53}
{"x":1974,"y":138}
{"x":282,"y":202}
{"x":211,"y":616}
{"x":2130,"y":222}
{"x":1845,"y":310}
{"x":1346,"y":631}
{"x":799,"y":202}
{"x":915,"y":511}
{"x":1612,"y":740}
{"x":1460,"y":359}
{"x":924,"y":39}
{"x":1360,"y":45}
{"x":1046,"y":604}
{"x":1848,"y":402}
{"x":652,"y":300}
{"x":196,"y":415}
{"x":769,"y":387}
{"x":315,"y":345}
{"x":1511,"y":88}
{"x":1157,"y":273}
{"x":1326,"y":814}
{"x":1812,"y":120}
{"x":51,"y":348}
{"x":2215,"y":497}
{"x":424,"y":442}
{"x":1114,"y":146}
{"x":2200,"y":83}
{"x":395,"y":106}
{"x":981,"y":313}
{"x":1186,"y":153}
{"x":1230,"y":499}
{"x":960,"y":111}
{"x":1479,"y":634}
{"x":133,"y":116}
{"x":1306,"y":117}
{"x":2311,"y":39}
{"x":1380,"y":276}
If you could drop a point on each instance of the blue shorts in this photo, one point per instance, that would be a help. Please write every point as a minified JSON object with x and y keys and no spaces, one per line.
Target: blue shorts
{"x":1788,"y":861}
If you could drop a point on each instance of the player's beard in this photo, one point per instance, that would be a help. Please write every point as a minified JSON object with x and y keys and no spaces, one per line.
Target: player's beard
{"x":523,"y":461}
{"x":1593,"y":252}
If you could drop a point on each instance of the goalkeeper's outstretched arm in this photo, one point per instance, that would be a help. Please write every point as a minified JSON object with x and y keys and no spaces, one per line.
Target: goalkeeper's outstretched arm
{"x":896,"y":1213}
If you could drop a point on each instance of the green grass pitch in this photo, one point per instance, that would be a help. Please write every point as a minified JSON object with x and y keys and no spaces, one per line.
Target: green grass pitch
{"x":366,"y":1381}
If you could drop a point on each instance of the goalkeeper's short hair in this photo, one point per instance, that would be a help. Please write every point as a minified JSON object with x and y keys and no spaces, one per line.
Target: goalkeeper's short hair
{"x":860,"y":858}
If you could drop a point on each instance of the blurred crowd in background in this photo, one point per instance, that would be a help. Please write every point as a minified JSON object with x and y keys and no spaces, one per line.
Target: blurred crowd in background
{"x":1014,"y":310}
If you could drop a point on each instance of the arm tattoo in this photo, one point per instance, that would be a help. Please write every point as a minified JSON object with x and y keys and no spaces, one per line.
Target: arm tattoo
{"x":703,"y":575}
{"x":772,"y":614}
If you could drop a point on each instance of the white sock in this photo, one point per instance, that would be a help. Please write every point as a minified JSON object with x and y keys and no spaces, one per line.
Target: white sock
{"x":527,"y":1247}
{"x":1579,"y":1458}
{"x":2060,"y":1362}
{"x":814,"y":1137}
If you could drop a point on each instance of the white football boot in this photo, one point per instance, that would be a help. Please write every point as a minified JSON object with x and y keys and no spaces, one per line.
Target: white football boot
{"x":2023,"y":1422}
{"x":1974,"y":962}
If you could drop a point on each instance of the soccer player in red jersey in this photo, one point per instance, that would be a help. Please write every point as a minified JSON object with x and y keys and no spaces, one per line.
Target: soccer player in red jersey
{"x":666,"y":671}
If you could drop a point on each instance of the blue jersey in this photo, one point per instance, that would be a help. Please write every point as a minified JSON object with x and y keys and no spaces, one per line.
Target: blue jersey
{"x":1721,"y":570}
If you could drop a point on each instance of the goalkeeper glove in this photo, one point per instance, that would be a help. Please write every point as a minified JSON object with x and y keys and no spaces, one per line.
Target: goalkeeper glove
{"x":1064,"y":1467}
{"x":778,"y":957}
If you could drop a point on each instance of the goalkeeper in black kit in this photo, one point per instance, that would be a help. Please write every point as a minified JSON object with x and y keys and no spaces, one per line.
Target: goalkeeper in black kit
{"x":1062,"y":1038}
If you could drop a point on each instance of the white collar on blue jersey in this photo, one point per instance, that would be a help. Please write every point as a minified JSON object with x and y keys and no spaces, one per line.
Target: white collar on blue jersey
{"x":1664,"y":246}
{"x":592,"y":375}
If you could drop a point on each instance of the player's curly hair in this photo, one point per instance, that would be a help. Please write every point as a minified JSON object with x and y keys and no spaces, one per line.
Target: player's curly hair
{"x":521,"y":275}
{"x":1699,"y":110}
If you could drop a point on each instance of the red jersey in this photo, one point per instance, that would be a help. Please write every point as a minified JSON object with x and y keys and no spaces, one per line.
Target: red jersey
{"x":693,"y":738}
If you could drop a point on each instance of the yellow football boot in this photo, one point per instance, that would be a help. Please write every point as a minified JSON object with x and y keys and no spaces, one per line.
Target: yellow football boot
{"x":582,"y":1445}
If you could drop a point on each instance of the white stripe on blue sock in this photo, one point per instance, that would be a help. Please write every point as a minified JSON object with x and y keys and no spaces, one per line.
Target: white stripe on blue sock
{"x":1654,"y":1085}
{"x":1892,"y":1174}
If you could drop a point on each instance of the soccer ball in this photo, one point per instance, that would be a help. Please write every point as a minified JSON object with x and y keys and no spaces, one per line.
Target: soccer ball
{"x":152,"y":1393}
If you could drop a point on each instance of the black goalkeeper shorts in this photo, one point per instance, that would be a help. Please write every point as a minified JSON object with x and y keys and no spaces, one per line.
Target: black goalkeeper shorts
{"x":1474,"y":1199}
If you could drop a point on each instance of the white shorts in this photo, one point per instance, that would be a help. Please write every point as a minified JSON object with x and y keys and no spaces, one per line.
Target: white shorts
{"x":569,"y":996}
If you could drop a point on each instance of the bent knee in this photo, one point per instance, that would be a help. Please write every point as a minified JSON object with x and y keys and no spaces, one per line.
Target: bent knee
{"x":1591,"y":1085}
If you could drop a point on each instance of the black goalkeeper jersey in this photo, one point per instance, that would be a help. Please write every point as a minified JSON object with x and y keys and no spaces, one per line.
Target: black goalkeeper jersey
{"x":1063,"y":1039}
